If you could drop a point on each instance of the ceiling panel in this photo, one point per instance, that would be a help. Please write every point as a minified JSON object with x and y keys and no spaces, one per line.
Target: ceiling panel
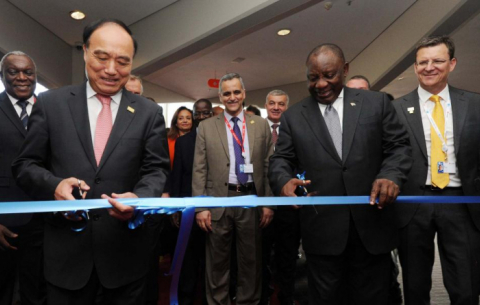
{"x":54,"y":14}
{"x":272,"y":60}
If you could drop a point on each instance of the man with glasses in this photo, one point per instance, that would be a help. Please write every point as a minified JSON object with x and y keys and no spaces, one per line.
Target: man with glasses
{"x":231,"y":159}
{"x":443,"y":123}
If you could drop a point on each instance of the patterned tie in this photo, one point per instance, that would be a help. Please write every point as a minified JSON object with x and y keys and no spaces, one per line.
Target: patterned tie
{"x":436,"y":152}
{"x":239,"y":160}
{"x":104,"y":127}
{"x":333,"y":124}
{"x":274,"y":133}
{"x":23,"y":114}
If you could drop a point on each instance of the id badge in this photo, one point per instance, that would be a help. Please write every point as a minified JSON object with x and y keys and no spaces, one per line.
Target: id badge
{"x":246,"y":168}
{"x":446,"y":167}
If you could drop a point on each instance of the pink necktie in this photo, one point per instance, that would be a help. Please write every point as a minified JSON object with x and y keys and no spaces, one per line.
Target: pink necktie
{"x":104,"y":127}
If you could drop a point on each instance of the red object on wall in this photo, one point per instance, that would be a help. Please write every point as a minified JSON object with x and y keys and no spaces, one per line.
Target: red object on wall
{"x":213,"y":82}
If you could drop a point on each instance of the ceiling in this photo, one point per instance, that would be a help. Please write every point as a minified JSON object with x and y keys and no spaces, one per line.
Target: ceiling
{"x":54,"y":14}
{"x":271,"y":60}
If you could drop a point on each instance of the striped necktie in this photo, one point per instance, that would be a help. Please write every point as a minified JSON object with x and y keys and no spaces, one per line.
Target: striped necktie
{"x":23,"y":114}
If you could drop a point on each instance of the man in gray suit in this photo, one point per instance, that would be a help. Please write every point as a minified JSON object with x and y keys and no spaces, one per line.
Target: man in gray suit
{"x":231,"y":159}
{"x":444,"y":127}
{"x":21,"y":235}
{"x":96,"y":140}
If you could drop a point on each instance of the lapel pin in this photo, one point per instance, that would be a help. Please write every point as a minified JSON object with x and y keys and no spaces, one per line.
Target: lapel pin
{"x":131,"y":109}
{"x":410,"y":110}
{"x":252,"y":122}
{"x":353,"y":104}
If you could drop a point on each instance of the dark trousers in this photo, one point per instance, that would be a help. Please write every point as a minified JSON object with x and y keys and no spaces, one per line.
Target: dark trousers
{"x":458,"y":246}
{"x":27,"y":260}
{"x":94,"y":293}
{"x":283,"y":235}
{"x":354,"y":277}
{"x":193,"y":269}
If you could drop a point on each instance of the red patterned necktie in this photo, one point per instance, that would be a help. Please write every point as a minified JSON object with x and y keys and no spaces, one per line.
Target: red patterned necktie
{"x":274,"y":133}
{"x":104,"y":127}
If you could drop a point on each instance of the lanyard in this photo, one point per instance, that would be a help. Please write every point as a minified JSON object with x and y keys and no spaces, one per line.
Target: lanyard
{"x":435,"y":127}
{"x":235,"y":136}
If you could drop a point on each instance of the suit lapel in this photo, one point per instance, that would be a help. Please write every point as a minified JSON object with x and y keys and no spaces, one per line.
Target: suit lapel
{"x":315,"y":120}
{"x":77,"y":102}
{"x":251,"y":133}
{"x":7,"y":107}
{"x":414,"y":119}
{"x":122,"y":121}
{"x":352,"y":106}
{"x":459,"y":110}
{"x":222,"y":133}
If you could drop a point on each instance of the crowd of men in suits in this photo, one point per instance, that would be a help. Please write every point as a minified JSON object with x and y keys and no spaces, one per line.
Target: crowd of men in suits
{"x":99,"y":140}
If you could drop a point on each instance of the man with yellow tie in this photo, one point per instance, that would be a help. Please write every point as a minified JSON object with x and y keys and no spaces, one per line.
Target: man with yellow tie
{"x":444,"y":127}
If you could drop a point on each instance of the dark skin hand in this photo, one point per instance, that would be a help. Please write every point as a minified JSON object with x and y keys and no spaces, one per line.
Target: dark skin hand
{"x":288,"y":190}
{"x":385,"y":190}
{"x":4,"y":234}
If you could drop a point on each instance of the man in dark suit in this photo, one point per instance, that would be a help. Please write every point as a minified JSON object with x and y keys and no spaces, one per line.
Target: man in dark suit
{"x":181,"y":186}
{"x":444,"y":128}
{"x":231,"y":159}
{"x":90,"y":141}
{"x":347,"y":247}
{"x":21,"y":235}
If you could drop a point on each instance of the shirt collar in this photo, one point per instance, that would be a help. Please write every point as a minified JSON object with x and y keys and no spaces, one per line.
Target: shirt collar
{"x":270,"y":123}
{"x":424,"y":95}
{"x":115,"y":98}
{"x":30,"y":100}
{"x":229,"y":117}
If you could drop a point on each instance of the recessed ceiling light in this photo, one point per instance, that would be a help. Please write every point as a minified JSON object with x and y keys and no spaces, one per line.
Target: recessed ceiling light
{"x":284,"y":32}
{"x":400,"y":78}
{"x":77,"y":15}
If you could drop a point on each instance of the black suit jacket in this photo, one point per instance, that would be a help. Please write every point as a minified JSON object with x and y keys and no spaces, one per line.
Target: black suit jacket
{"x":181,"y":175}
{"x":466,"y":129}
{"x":12,"y":135}
{"x":59,"y":146}
{"x":375,"y":145}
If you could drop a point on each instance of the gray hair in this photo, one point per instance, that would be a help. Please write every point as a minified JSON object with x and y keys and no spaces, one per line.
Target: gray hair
{"x":136,"y":77}
{"x":18,"y":53}
{"x":277,"y":92}
{"x":230,"y":76}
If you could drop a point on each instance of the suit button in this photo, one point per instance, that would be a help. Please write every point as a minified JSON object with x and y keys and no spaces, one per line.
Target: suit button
{"x":96,"y":217}
{"x":226,"y":184}
{"x":344,"y":169}
{"x":228,"y":164}
{"x":426,"y":164}
{"x":97,"y":180}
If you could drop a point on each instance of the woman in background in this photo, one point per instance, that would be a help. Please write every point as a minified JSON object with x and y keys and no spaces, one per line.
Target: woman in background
{"x":182,"y":123}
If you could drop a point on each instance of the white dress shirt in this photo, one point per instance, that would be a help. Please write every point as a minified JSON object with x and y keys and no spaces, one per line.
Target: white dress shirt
{"x":338,"y":105}
{"x":17,"y":107}
{"x":425,"y":103}
{"x":232,"y":176}
{"x":95,"y":106}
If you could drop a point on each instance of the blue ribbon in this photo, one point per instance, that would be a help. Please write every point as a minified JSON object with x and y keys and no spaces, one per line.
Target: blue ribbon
{"x":147,"y":206}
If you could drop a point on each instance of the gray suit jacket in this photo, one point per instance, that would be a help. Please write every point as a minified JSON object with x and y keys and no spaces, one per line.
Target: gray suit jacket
{"x":211,"y":163}
{"x":466,"y":129}
{"x":59,"y":146}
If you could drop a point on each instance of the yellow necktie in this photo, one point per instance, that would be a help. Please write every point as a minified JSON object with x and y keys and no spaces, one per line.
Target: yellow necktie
{"x":437,"y":154}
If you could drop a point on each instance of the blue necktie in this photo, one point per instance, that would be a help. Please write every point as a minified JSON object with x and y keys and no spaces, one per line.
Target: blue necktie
{"x":239,"y":160}
{"x":23,"y":114}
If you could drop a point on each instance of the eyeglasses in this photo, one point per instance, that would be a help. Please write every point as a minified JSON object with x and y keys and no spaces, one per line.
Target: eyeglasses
{"x":435,"y":62}
{"x":205,"y":113}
